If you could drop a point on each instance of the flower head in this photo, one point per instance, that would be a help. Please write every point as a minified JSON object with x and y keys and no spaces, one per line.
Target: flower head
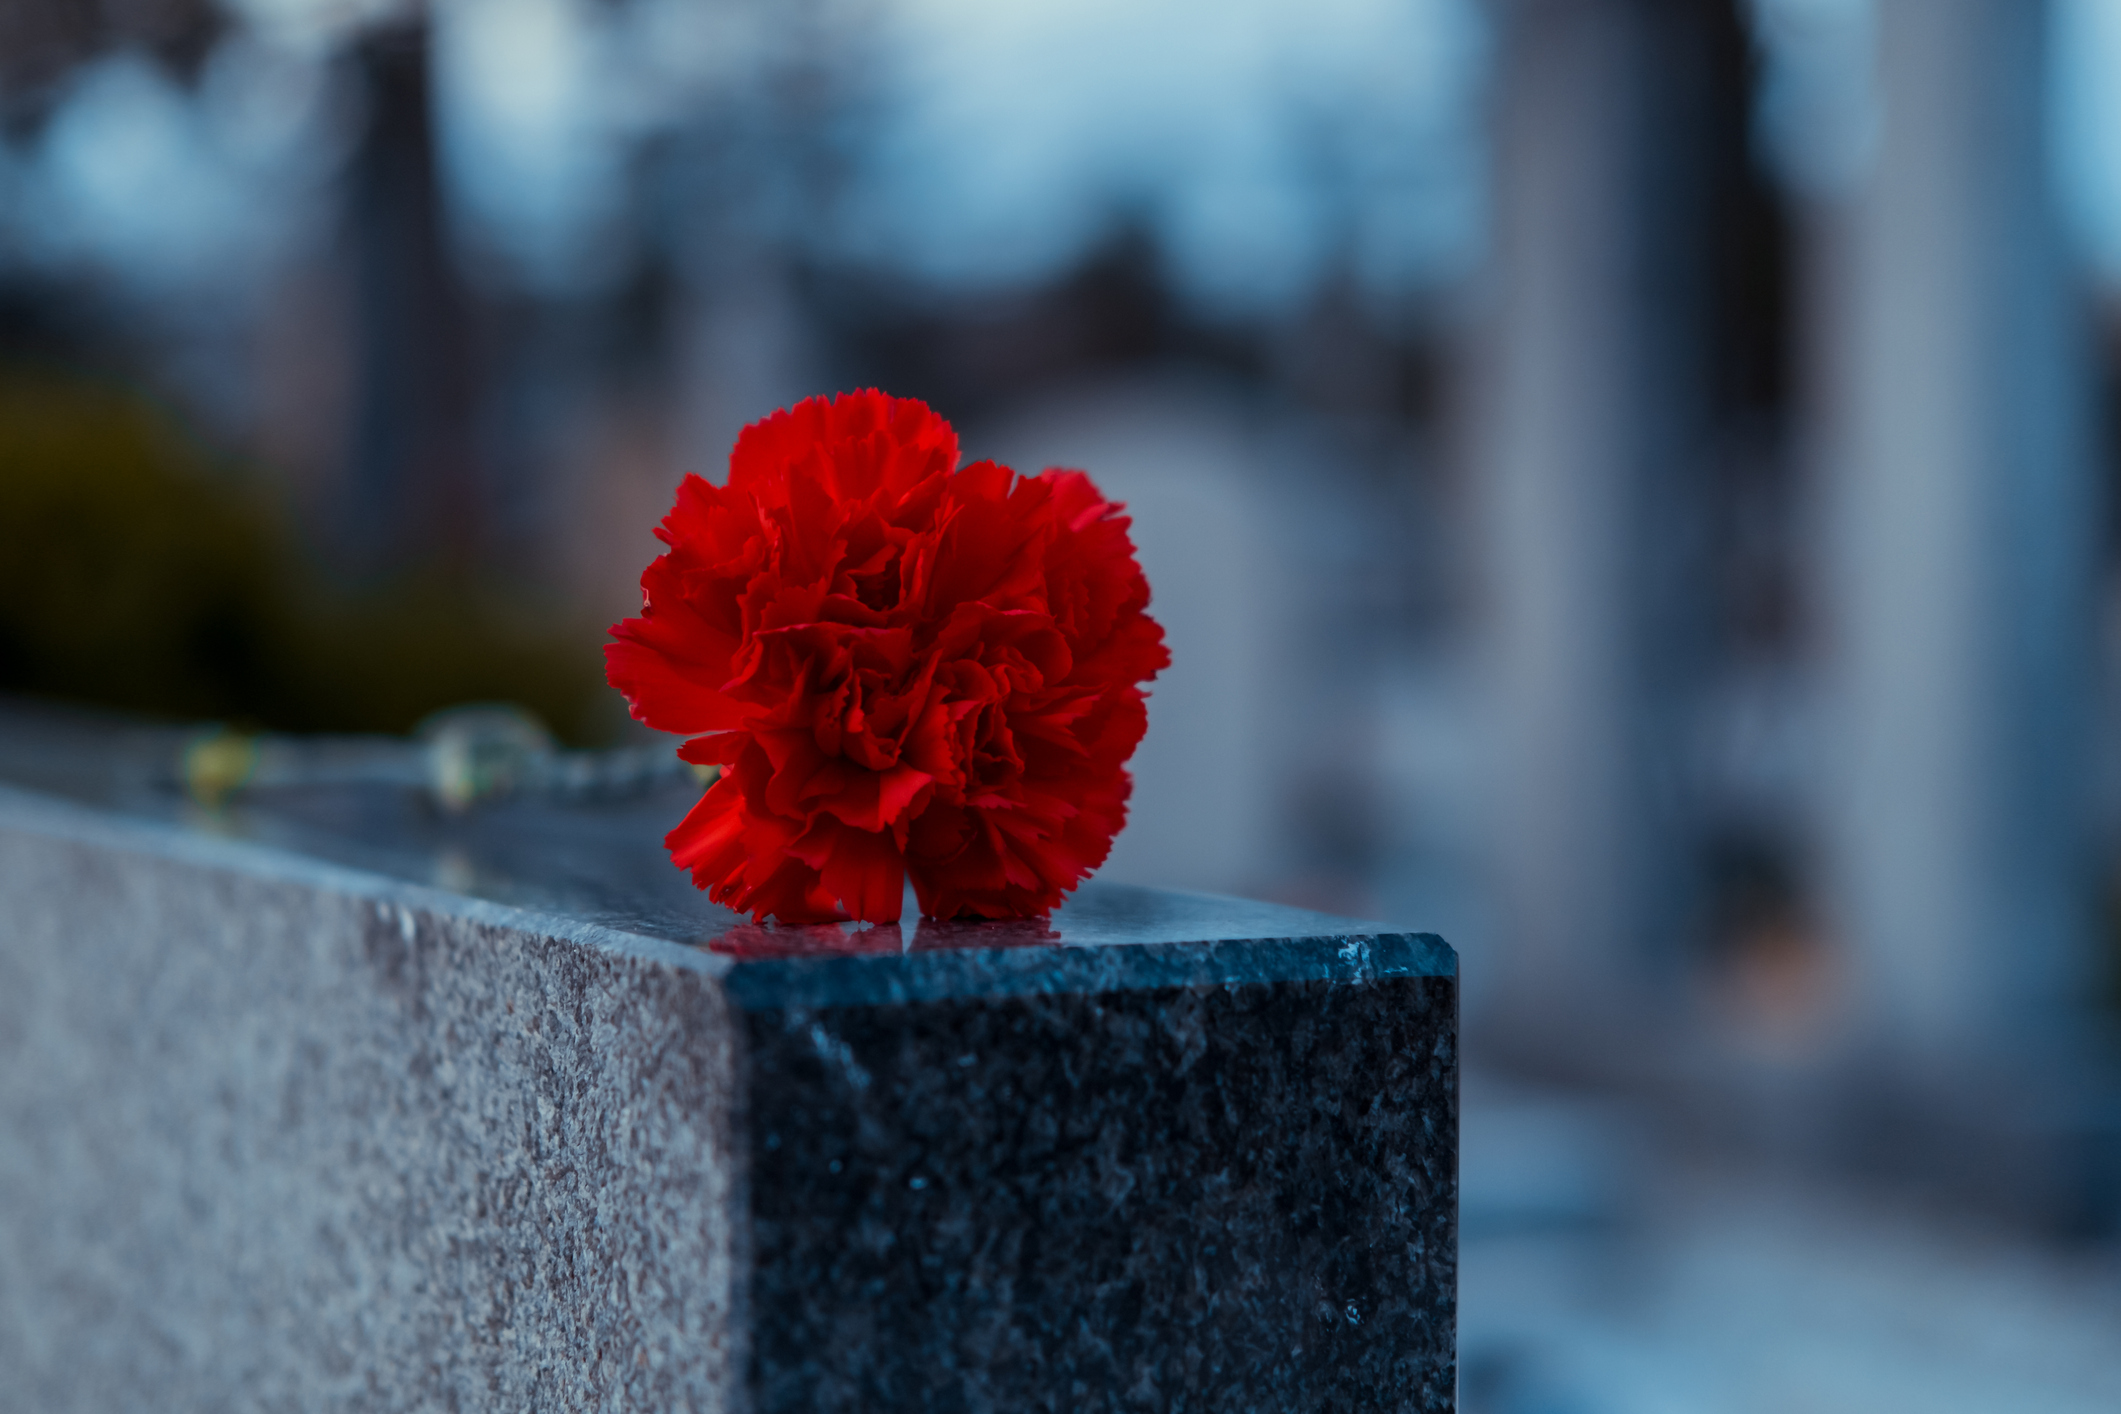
{"x":906,"y":669}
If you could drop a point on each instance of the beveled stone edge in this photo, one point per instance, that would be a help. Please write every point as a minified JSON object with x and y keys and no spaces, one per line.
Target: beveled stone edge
{"x":884,"y":979}
{"x":1353,"y":955}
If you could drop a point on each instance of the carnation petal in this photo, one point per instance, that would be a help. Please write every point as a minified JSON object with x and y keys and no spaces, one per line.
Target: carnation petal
{"x":862,"y":869}
{"x":709,"y":841}
{"x":666,"y":692}
{"x":875,"y":800}
{"x":718,"y":749}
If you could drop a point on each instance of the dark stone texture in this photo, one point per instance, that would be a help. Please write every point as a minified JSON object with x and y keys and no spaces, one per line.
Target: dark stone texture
{"x":1221,"y":1197}
{"x":285,"y":1126}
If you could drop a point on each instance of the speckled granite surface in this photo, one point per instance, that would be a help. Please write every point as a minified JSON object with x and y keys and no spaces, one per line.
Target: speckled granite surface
{"x":283,"y":1125}
{"x":1227,"y":1198}
{"x":271,"y":1145}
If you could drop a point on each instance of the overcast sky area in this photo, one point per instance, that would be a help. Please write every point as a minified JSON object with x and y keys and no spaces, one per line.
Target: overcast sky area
{"x":1259,"y":142}
{"x":1266,"y":145}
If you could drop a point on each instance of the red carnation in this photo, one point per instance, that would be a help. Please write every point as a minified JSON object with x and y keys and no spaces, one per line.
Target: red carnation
{"x":904,"y":668}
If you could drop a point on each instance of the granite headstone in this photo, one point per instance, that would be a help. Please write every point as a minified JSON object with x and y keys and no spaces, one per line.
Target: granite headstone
{"x":331,"y":1102}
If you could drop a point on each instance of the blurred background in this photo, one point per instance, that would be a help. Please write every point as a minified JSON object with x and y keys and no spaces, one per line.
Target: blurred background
{"x":1629,"y":484}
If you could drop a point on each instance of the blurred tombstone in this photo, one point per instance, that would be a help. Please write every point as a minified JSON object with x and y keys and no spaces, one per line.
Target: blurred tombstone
{"x":412,"y":487}
{"x":1588,"y":407}
{"x":1950,"y":397}
{"x":1206,"y":777}
{"x":746,"y":350}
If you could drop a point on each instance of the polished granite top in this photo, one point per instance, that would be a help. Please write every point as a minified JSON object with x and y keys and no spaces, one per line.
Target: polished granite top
{"x":602,"y":864}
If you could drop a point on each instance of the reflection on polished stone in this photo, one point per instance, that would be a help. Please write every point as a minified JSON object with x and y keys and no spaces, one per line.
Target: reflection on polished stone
{"x":775,"y":940}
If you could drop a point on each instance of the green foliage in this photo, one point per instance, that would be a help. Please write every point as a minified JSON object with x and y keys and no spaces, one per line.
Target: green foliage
{"x":137,"y":573}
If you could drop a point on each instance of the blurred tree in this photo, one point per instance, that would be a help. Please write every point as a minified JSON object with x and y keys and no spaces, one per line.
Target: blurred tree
{"x":135,"y":573}
{"x":42,"y":41}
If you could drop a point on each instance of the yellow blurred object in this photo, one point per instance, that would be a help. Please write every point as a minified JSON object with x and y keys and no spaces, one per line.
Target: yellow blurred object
{"x":217,"y":764}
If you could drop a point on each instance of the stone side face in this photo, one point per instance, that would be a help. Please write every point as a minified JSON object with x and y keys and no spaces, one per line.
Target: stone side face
{"x":1204,"y":1198}
{"x":490,"y":1170}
